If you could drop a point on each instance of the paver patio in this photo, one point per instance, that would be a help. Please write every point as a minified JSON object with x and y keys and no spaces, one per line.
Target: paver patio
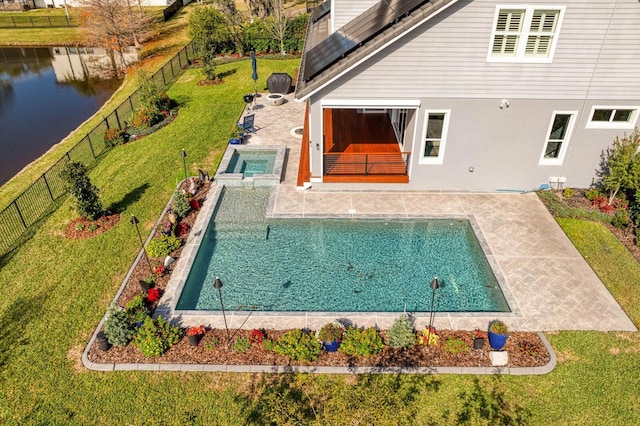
{"x":547,"y":283}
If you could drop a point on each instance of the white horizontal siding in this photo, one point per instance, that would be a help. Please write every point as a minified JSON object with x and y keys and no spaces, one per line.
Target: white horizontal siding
{"x":447,"y":57}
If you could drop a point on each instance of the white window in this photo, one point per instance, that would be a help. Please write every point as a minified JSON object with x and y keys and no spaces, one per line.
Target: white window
{"x":435,"y":135}
{"x":524,"y":33}
{"x":612,"y":117}
{"x":558,"y":137}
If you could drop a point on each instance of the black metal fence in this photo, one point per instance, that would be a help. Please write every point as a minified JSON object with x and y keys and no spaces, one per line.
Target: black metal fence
{"x":36,"y":22}
{"x":32,"y":204}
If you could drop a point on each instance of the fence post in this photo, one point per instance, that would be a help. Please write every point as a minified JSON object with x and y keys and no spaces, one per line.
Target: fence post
{"x":115,"y":111}
{"x":44,"y":177}
{"x":106,"y":122}
{"x":179,"y":61}
{"x":164,"y":80}
{"x":14,"y":22}
{"x":50,"y":24}
{"x":131,"y":104}
{"x":20,"y":215}
{"x":91,"y":146}
{"x":32,"y":24}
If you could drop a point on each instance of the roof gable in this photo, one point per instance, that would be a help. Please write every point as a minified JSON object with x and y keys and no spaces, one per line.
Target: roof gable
{"x":326,"y":57}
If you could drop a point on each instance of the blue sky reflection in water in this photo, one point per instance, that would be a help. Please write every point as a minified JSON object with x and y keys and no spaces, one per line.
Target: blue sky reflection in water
{"x":36,"y":110}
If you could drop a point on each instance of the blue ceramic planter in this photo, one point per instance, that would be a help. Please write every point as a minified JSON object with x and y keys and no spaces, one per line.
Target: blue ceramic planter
{"x":497,"y":341}
{"x":331,"y":346}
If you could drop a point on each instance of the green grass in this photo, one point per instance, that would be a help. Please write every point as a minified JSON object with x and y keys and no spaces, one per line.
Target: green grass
{"x":55,"y":291}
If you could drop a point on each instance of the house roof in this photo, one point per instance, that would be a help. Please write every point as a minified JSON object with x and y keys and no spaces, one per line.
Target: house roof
{"x":328,"y":56}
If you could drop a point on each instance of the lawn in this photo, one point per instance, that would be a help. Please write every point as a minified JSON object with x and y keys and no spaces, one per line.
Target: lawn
{"x":55,"y":291}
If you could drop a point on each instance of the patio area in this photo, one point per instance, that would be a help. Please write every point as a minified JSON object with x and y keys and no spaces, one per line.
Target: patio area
{"x":547,"y":283}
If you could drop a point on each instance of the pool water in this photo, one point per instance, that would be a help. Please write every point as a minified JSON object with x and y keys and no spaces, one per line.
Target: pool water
{"x":336,"y":265}
{"x":250,"y":163}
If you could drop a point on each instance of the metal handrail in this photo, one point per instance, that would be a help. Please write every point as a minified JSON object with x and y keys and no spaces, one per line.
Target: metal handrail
{"x":372,"y":163}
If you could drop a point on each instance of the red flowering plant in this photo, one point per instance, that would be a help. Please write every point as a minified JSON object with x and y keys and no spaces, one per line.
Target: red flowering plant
{"x":256,"y":336}
{"x":196,"y":330}
{"x":194,"y":204}
{"x":182,"y":229}
{"x":159,"y":270}
{"x":153,"y":295}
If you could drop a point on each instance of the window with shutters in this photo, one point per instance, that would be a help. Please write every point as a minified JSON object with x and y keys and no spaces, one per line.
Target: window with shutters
{"x":524,"y":34}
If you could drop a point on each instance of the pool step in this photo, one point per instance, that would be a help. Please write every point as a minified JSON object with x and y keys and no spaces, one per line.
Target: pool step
{"x":245,"y":230}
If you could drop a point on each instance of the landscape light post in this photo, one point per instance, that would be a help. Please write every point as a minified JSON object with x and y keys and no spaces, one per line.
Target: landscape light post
{"x":435,"y":284}
{"x":217,"y":284}
{"x":184,"y":162}
{"x":135,"y":221}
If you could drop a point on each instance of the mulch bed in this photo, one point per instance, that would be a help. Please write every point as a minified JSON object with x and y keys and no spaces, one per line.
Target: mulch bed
{"x":525,"y":350}
{"x":83,"y":228}
{"x":132,"y":288}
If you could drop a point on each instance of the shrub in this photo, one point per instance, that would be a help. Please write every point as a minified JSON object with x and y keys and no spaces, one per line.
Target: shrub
{"x":455,"y":345}
{"x":330,"y":332}
{"x":559,"y":209}
{"x":361,"y":342}
{"x":117,"y":327}
{"x":180,"y":204}
{"x":592,"y":193}
{"x":163,"y":245}
{"x":568,"y":192}
{"x":269,"y":345}
{"x":401,"y":334}
{"x":153,"y":295}
{"x":257,"y":336}
{"x":78,"y":184}
{"x":428,"y":337}
{"x":146,"y":117}
{"x":620,"y":218}
{"x":115,"y":136}
{"x":241,"y":345}
{"x":298,"y":345}
{"x":137,"y":310}
{"x":498,"y":327}
{"x":155,"y":337}
{"x":209,"y":342}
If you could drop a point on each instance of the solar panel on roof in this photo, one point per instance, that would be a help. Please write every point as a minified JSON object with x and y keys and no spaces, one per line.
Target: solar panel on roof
{"x":358,"y":31}
{"x":320,"y":11}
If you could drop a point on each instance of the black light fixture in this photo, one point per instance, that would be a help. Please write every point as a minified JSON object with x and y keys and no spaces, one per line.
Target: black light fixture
{"x":435,"y":284}
{"x":134,"y":221}
{"x":184,"y":162}
{"x":217,"y":284}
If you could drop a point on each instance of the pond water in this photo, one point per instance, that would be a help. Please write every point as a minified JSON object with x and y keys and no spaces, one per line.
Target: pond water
{"x":45,"y":93}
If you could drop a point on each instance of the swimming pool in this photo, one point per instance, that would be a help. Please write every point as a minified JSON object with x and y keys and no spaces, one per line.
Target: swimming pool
{"x":251,"y":163}
{"x":336,"y":265}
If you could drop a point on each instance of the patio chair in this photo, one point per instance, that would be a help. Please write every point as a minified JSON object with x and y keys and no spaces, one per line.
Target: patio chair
{"x":247,"y":123}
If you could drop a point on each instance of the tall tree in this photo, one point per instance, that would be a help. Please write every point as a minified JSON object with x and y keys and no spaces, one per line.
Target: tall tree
{"x":207,"y":28}
{"x":259,"y":8}
{"x":620,"y":166}
{"x":113,"y":25}
{"x":278,"y":22}
{"x":234,"y":22}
